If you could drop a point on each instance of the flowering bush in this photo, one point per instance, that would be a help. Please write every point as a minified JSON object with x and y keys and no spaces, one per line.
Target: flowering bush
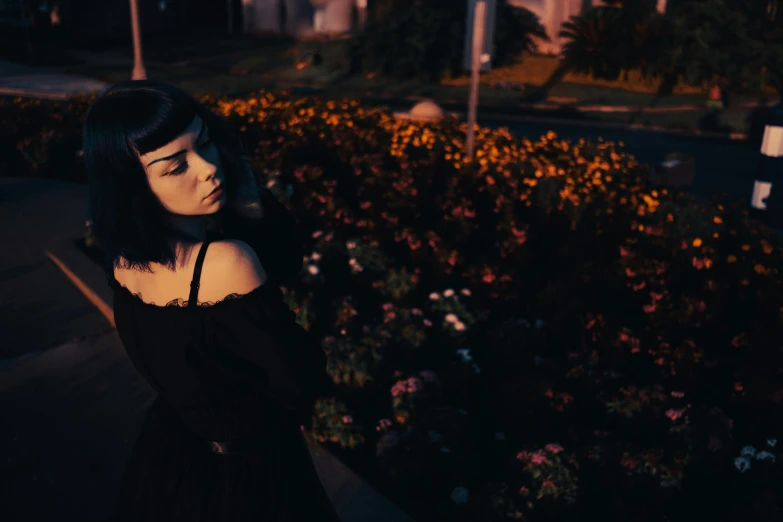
{"x":536,"y":334}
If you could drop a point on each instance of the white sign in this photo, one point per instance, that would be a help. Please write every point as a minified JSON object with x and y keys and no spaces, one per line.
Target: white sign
{"x":772,"y":142}
{"x":489,"y":35}
{"x":761,"y":191}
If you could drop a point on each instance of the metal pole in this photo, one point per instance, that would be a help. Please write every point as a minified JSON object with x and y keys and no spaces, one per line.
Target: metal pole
{"x":478,"y":43}
{"x":139,"y":73}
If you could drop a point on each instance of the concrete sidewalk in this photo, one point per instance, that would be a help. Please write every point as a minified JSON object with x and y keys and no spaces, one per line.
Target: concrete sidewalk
{"x":19,"y":80}
{"x":71,"y":413}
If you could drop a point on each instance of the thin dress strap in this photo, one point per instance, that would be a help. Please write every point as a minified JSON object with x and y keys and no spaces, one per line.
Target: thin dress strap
{"x":196,"y":282}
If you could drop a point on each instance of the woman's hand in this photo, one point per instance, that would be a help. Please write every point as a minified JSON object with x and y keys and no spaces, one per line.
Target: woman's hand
{"x":248,"y":201}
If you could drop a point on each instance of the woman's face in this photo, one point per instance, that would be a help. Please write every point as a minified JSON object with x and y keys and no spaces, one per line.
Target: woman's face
{"x":186,"y":174}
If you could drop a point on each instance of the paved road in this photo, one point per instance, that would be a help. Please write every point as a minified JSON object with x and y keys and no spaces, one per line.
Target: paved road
{"x":721,"y":165}
{"x":39,"y":307}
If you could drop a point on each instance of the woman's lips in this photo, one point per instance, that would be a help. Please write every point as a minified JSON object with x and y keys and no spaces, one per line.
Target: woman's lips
{"x":215,"y":193}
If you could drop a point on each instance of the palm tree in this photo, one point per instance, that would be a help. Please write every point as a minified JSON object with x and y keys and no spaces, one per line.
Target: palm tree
{"x":593,"y":42}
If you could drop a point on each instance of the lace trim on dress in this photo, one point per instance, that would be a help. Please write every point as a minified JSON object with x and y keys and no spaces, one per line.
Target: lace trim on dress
{"x":178,"y":302}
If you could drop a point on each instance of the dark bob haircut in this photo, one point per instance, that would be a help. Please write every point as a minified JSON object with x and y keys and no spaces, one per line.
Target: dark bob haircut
{"x":129,"y":119}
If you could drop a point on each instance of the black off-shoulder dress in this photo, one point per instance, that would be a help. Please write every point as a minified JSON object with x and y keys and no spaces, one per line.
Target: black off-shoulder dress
{"x":234,"y":379}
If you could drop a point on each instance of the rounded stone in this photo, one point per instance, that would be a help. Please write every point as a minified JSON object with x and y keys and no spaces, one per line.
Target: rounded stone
{"x":427,"y":110}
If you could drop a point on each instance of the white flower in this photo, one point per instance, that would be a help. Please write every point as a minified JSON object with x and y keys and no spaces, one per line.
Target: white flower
{"x":500,"y":436}
{"x":748,"y":451}
{"x":765,"y":455}
{"x":459,"y":495}
{"x":316,"y":256}
{"x":350,"y":245}
{"x":742,"y":464}
{"x":271,"y":183}
{"x":772,"y":442}
{"x":452,"y":318}
{"x":459,"y":326}
{"x":434,"y":296}
{"x":313,"y":269}
{"x":448,"y":292}
{"x":465,"y":291}
{"x":465,"y":354}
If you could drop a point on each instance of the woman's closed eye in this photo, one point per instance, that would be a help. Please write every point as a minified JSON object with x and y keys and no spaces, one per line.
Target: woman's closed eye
{"x":182,"y":167}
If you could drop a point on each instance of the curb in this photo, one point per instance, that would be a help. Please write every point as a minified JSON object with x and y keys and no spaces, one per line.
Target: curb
{"x":86,"y":291}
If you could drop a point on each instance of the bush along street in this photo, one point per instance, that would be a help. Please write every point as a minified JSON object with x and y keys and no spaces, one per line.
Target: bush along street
{"x":533,"y":335}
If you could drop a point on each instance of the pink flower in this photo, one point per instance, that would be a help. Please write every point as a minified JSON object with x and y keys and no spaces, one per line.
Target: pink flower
{"x":523,"y":455}
{"x":656,"y":296}
{"x":347,"y":419}
{"x":701,"y":306}
{"x":524,"y":491}
{"x":638,"y":287}
{"x":674,"y":414}
{"x":398,"y":389}
{"x":650,"y":308}
{"x":387,"y":306}
{"x":416,"y":311}
{"x":678,"y":394}
{"x":629,"y":272}
{"x":427,"y":322}
{"x":539,"y":457}
{"x":547,"y":484}
{"x":383,"y":424}
{"x":698,"y":264}
{"x":623,"y":252}
{"x":553,"y":448}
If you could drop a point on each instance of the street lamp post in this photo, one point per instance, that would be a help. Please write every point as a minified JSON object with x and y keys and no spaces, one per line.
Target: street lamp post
{"x":476,"y":56}
{"x":139,"y":73}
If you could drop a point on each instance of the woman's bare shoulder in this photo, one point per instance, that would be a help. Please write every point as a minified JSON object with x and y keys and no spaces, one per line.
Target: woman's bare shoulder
{"x":230,"y":267}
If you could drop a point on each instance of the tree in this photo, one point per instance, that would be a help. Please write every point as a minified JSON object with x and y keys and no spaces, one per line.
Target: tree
{"x":427,"y":39}
{"x":606,"y":41}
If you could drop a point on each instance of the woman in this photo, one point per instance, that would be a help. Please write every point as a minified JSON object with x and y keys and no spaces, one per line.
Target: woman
{"x":194,"y":253}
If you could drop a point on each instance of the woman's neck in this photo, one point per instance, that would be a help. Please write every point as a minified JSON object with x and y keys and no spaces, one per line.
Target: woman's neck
{"x":192,"y":226}
{"x":198,"y":228}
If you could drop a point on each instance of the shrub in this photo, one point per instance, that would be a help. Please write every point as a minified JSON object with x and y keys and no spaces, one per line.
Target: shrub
{"x":536,"y":334}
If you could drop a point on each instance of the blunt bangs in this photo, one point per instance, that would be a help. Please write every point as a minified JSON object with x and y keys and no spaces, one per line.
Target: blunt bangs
{"x":129,"y":119}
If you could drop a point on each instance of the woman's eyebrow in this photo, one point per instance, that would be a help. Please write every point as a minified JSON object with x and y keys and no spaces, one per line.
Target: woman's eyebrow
{"x":183,"y":151}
